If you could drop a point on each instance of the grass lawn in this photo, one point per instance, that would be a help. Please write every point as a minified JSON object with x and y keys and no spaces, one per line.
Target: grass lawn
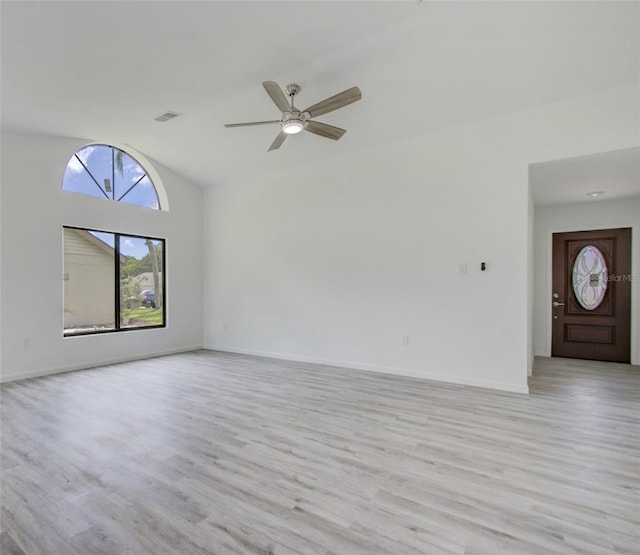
{"x":146,"y":315}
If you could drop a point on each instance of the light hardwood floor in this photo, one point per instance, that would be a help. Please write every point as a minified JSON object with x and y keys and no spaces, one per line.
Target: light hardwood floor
{"x":209,"y":452}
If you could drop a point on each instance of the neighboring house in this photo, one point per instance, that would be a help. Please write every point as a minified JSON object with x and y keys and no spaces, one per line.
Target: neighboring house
{"x":145,"y":280}
{"x":88,"y":280}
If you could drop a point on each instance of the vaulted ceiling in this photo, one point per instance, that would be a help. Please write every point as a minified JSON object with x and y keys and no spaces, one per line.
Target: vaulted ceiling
{"x":104,"y":70}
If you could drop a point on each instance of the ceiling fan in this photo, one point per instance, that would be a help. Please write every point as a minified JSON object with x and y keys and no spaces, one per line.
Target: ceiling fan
{"x":294,"y":121}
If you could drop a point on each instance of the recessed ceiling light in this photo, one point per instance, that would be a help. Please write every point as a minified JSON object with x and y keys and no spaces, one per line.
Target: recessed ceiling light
{"x":595,"y":194}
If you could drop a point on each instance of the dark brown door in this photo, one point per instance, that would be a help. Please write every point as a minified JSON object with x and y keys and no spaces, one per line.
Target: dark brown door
{"x":591,"y":304}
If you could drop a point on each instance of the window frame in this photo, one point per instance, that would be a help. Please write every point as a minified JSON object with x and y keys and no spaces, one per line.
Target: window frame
{"x":116,"y":276}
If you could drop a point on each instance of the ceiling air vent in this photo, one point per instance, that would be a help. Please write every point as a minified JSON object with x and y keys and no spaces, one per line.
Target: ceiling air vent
{"x":167,"y":116}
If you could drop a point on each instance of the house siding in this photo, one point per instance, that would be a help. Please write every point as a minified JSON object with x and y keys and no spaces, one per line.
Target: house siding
{"x":89,"y":287}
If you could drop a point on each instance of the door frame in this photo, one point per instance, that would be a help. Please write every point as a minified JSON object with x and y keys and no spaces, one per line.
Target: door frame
{"x":635,"y":284}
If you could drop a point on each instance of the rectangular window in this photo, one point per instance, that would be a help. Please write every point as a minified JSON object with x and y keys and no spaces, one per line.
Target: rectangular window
{"x":108,"y":274}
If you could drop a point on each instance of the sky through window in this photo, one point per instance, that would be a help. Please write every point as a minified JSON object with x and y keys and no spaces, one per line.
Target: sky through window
{"x":107,"y":172}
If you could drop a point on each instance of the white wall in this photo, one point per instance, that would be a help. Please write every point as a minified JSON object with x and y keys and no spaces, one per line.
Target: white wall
{"x":34,"y":209}
{"x":337,"y":262}
{"x":598,"y":214}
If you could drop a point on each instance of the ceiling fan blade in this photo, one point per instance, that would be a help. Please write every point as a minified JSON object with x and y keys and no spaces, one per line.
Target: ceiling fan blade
{"x":251,"y":123}
{"x":278,"y":141}
{"x":336,"y":101}
{"x":276,"y":94}
{"x":325,"y":130}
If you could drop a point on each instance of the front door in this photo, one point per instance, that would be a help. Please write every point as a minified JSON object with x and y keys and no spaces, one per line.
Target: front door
{"x":591,"y":304}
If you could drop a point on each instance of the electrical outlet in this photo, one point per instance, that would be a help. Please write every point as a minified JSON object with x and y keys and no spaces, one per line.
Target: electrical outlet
{"x":27,"y":342}
{"x":405,"y":340}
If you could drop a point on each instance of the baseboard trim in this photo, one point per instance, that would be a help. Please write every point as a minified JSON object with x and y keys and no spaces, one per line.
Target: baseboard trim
{"x":93,"y":364}
{"x":410,"y":373}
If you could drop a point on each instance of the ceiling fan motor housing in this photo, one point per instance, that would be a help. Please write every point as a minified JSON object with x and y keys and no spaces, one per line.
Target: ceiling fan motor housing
{"x":294,"y":121}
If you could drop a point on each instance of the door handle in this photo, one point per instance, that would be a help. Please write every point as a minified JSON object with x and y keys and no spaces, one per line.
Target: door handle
{"x":556,"y":304}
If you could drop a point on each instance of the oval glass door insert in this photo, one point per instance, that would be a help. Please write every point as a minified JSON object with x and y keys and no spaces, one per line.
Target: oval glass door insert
{"x":590,"y":277}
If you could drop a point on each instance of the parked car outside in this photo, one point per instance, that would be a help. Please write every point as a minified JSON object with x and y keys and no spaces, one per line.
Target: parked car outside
{"x":148,"y":299}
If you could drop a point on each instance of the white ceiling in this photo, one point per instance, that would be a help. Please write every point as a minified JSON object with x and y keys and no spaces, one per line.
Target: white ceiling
{"x":615,"y":173}
{"x":102,"y":71}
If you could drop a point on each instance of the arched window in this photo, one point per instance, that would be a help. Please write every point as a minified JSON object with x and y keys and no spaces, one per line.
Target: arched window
{"x":109,"y":172}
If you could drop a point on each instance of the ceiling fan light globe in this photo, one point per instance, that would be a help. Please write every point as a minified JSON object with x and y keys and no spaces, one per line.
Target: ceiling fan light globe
{"x":291,"y":127}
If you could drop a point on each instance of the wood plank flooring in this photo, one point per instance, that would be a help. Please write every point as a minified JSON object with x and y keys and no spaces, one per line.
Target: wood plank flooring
{"x":209,"y":452}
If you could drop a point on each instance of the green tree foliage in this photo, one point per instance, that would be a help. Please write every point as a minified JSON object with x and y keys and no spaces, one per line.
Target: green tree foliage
{"x":129,"y":293}
{"x":134,"y":266}
{"x":130,"y":267}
